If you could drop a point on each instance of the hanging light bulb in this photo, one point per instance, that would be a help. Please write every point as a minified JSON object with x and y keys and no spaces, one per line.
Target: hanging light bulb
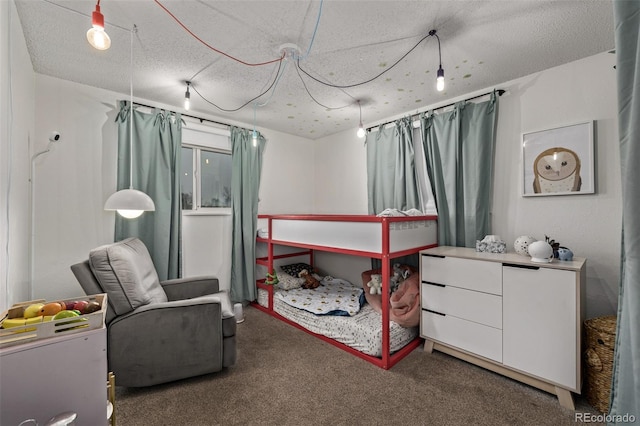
{"x":361,"y":132}
{"x":440,"y":80}
{"x":96,"y":35}
{"x":254,"y":138}
{"x":130,"y":203}
{"x":440,"y":74}
{"x":187,"y":97}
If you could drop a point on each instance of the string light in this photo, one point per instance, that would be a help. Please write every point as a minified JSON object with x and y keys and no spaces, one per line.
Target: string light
{"x":294,"y":54}
{"x":440,"y":80}
{"x":440,"y":75}
{"x":187,"y":97}
{"x":361,"y":132}
{"x":96,"y":36}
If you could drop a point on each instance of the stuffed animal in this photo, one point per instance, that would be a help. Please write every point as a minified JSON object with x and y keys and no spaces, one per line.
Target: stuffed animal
{"x":375,"y":285}
{"x":310,"y":281}
{"x":272,"y":278}
{"x":399,"y":275}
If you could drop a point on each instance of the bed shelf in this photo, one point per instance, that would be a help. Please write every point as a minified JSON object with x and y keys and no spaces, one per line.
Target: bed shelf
{"x":383,"y":238}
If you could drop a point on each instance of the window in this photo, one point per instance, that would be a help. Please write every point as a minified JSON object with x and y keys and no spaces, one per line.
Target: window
{"x":205,"y":170}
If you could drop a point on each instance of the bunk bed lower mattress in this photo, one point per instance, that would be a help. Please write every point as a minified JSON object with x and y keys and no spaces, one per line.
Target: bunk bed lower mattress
{"x":362,"y":331}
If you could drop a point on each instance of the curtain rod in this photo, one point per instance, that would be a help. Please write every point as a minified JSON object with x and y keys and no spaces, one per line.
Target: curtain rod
{"x":186,"y":115}
{"x":500,"y":92}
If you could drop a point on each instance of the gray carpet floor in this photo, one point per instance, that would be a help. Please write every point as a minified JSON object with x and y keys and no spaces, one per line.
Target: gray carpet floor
{"x":284,"y":376}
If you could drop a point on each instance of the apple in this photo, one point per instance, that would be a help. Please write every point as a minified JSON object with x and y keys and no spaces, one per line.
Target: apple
{"x":80,"y":305}
{"x":33,"y":310}
{"x":70,"y":304}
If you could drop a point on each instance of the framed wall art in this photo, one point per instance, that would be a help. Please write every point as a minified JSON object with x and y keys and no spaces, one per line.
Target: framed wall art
{"x":559,"y":161}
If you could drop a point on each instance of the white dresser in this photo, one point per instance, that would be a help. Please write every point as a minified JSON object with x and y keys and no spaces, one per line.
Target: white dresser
{"x":506,"y":314}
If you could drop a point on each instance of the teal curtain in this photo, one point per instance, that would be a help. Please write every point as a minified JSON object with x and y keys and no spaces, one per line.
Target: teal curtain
{"x":391,"y":172}
{"x":459,"y":147}
{"x":245,"y":183}
{"x":625,"y":389}
{"x":156,"y":144}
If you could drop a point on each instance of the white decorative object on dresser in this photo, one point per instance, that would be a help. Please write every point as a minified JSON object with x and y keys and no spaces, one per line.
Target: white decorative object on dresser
{"x":507,"y":314}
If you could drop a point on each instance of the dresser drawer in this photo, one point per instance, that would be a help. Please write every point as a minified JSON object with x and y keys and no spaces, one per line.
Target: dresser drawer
{"x":466,"y":335}
{"x":464,"y":273}
{"x":470,"y":305}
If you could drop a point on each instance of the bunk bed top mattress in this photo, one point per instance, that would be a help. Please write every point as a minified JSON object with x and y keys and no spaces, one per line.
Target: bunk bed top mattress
{"x":362,"y":331}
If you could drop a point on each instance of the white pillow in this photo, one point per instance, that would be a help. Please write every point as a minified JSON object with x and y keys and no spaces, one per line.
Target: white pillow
{"x":288,"y":282}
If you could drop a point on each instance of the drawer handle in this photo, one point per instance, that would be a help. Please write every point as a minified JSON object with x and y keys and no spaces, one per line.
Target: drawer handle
{"x":437,"y":313}
{"x":513,"y":265}
{"x":436,"y":284}
{"x":439,"y":256}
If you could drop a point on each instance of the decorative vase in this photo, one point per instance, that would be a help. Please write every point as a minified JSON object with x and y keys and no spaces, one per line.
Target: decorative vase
{"x":540,"y":252}
{"x":522,"y":243}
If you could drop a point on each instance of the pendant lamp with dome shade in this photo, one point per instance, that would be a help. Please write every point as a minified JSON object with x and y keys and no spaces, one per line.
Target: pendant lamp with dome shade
{"x":130,"y":203}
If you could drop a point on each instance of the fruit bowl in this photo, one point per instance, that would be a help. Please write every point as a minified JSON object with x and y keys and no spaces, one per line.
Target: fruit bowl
{"x":24,"y":321}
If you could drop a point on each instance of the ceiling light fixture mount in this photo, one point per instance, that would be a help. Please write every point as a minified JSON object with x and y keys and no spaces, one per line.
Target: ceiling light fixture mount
{"x":289,"y":51}
{"x":96,"y":36}
{"x":440,"y":74}
{"x":130,"y":203}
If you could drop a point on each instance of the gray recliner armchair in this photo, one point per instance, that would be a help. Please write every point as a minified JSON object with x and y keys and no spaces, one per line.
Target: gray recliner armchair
{"x":158,"y":332}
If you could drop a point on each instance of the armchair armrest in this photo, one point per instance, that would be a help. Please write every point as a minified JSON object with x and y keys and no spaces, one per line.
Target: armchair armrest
{"x":188,"y":288}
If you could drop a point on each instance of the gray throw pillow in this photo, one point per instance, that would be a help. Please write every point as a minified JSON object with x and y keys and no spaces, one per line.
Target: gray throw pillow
{"x":126,"y":273}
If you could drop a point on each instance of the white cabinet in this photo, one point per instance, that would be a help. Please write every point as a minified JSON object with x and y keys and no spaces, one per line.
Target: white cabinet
{"x":541,"y":323}
{"x":507,"y":314}
{"x":46,"y":377}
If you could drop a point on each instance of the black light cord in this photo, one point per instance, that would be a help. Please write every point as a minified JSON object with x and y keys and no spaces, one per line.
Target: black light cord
{"x":346,"y":86}
{"x":433,"y":33}
{"x":311,"y":96}
{"x":246,"y":103}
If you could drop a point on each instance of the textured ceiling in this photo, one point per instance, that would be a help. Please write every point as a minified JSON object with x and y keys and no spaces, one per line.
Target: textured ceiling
{"x":484,"y":43}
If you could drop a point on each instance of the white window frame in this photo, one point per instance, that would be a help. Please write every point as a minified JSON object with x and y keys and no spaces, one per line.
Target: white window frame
{"x":200,"y":137}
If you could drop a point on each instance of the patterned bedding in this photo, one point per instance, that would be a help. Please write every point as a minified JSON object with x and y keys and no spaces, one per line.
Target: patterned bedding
{"x":363,"y":331}
{"x":333,"y":297}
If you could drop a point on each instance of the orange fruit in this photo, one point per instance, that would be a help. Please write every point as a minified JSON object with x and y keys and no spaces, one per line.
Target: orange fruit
{"x":50,"y":309}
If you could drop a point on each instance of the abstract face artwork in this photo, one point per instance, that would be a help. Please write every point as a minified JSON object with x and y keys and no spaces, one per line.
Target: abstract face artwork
{"x":556,"y":170}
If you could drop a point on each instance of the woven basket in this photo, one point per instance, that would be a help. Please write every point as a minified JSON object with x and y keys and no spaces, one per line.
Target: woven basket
{"x":600,"y":336}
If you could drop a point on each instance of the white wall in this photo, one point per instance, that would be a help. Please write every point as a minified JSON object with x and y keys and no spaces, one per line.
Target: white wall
{"x":341,"y":174}
{"x":588,"y":224}
{"x":287,"y":184}
{"x":72,"y":181}
{"x":16,"y":137}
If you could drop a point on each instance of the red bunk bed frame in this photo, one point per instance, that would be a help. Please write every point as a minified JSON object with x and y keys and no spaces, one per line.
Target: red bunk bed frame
{"x":387,"y":360}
